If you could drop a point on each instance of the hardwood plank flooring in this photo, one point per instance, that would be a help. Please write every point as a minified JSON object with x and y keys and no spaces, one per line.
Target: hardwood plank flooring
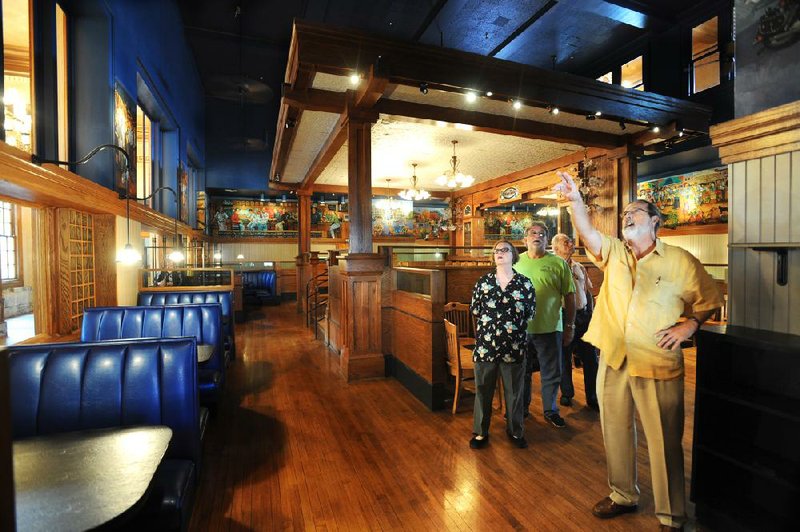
{"x":293,"y":447}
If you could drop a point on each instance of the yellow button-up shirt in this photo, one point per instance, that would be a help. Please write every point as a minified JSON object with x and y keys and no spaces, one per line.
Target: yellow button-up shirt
{"x":638,"y":298}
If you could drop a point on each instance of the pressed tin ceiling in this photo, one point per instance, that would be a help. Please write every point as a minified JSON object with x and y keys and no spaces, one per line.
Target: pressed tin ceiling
{"x":396,"y":144}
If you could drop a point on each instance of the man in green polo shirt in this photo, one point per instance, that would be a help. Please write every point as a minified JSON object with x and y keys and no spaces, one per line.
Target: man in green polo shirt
{"x":553,"y":282}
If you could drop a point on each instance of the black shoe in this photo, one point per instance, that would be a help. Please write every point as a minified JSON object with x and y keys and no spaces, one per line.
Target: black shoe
{"x":566,"y":401}
{"x":520,"y":443}
{"x":475,"y":443}
{"x":555,"y":420}
{"x":592,"y":405}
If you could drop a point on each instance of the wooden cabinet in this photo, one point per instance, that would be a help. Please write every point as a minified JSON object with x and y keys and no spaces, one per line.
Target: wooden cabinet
{"x":746,"y":448}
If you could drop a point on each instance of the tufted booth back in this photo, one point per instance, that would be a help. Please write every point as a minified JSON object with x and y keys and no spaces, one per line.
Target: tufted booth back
{"x":201,"y":321}
{"x":225,"y":299}
{"x":78,"y":386}
{"x":264,"y":281}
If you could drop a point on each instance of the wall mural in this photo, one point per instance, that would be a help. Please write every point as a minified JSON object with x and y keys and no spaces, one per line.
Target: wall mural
{"x":513,"y":223}
{"x":767,"y":47}
{"x":253,"y":218}
{"x":125,"y":138}
{"x":695,"y":198}
{"x":404,"y":219}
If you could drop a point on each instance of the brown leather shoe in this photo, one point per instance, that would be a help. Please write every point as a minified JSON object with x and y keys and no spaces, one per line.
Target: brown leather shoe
{"x":606,"y":509}
{"x":667,"y":528}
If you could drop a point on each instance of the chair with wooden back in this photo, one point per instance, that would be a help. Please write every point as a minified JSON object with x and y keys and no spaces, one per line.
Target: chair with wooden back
{"x":458,"y":314}
{"x":461,"y":366}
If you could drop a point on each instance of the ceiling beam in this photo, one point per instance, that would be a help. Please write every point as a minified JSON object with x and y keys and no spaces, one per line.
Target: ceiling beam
{"x":542,"y":168}
{"x":315,"y":99}
{"x":501,"y":124}
{"x":525,"y":25}
{"x":339,"y":51}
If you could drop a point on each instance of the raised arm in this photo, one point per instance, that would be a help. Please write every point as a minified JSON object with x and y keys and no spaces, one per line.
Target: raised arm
{"x":590,"y":237}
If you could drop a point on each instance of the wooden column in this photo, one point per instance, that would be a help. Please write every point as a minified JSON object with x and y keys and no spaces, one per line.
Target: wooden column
{"x":361,"y":270}
{"x":303,"y":247}
{"x":7,"y":507}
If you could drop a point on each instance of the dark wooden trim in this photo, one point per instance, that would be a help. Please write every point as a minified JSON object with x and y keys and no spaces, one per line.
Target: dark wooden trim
{"x":329,"y":149}
{"x":501,"y":124}
{"x":431,"y":395}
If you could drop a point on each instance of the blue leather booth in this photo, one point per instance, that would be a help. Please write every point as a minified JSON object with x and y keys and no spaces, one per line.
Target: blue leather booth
{"x":79,"y":386}
{"x":225,"y":299}
{"x":201,"y":321}
{"x":261,"y":285}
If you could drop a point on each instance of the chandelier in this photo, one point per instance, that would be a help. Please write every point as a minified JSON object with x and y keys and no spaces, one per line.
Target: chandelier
{"x":414,"y":193}
{"x":453,"y":177}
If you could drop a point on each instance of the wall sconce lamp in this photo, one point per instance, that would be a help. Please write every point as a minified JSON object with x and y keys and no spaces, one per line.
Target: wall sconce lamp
{"x":127,"y":254}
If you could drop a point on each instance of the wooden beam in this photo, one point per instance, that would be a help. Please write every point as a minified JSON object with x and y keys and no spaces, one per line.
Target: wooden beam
{"x":331,"y":147}
{"x":648,"y":136}
{"x":314,"y":99}
{"x":500,"y":124}
{"x":376,"y":191}
{"x":339,"y":51}
{"x":372,"y":92}
{"x":52,"y":186}
{"x":549,"y":166}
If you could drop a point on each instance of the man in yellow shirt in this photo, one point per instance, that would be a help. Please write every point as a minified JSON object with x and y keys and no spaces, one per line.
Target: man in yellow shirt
{"x":636,"y":326}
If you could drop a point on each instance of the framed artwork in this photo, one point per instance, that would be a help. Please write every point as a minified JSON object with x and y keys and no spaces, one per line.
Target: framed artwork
{"x":125,"y":138}
{"x":468,"y":210}
{"x":183,"y":193}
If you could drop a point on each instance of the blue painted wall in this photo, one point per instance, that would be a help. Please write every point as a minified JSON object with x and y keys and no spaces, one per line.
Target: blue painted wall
{"x":116,"y":41}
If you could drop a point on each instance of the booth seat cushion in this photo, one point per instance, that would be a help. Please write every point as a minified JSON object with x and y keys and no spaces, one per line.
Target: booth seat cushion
{"x":261,"y":284}
{"x":201,"y":321}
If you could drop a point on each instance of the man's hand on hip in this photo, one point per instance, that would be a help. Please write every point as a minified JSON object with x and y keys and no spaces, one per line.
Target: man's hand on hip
{"x":677,"y":334}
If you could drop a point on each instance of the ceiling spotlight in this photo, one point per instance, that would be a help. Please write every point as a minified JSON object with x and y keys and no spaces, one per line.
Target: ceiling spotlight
{"x":423,"y":88}
{"x":489,"y":93}
{"x":622,"y":125}
{"x":554,"y":110}
{"x":354,"y":79}
{"x":471,"y":97}
{"x":655,"y":129}
{"x":680,"y":133}
{"x":517,"y":104}
{"x":290,"y":123}
{"x":590,"y":117}
{"x":598,"y":113}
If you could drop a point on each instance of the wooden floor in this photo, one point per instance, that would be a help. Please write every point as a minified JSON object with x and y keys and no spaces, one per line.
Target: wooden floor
{"x":294,"y":447}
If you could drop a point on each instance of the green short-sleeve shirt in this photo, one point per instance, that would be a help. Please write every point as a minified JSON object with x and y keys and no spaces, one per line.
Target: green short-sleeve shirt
{"x":552,"y":280}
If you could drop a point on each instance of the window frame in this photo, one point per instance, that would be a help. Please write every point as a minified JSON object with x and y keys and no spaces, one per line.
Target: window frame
{"x":693,"y":61}
{"x":16,"y":220}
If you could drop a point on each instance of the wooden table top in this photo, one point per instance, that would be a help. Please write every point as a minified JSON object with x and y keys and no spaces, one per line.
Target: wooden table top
{"x":81,"y":480}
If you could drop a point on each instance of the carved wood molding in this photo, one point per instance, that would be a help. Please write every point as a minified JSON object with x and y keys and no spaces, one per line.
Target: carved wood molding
{"x":762,"y":134}
{"x":52,"y":186}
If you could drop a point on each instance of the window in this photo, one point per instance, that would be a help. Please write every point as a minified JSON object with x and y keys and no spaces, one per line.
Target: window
{"x":144,"y":155}
{"x":704,"y":69}
{"x":606,"y":78}
{"x":61,"y":82}
{"x":632,"y":74}
{"x":9,"y":263}
{"x":17,"y":70}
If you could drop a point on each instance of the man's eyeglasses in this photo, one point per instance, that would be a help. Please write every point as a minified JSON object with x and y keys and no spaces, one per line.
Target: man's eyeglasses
{"x":631,"y":212}
{"x":537,"y":233}
{"x":500,"y":251}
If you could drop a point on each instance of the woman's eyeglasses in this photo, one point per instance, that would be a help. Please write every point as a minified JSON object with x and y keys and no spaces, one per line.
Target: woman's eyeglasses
{"x":500,"y":251}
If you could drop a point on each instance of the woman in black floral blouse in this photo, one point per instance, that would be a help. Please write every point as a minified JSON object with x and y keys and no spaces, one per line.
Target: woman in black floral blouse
{"x":503,"y":302}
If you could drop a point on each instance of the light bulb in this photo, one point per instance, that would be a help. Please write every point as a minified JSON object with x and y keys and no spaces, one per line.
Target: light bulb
{"x":441,"y":180}
{"x":176,"y":256}
{"x":128,"y":255}
{"x":217,"y":256}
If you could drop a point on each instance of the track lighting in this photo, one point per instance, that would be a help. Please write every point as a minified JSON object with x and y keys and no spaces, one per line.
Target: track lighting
{"x":354,"y":79}
{"x":598,"y":113}
{"x":622,"y":125}
{"x":655,"y":129}
{"x":423,"y":88}
{"x":489,"y":94}
{"x":552,"y":109}
{"x":590,"y":117}
{"x":517,"y":104}
{"x":471,"y":97}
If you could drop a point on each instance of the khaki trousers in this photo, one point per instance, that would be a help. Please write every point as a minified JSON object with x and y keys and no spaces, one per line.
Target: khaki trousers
{"x":660,"y":407}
